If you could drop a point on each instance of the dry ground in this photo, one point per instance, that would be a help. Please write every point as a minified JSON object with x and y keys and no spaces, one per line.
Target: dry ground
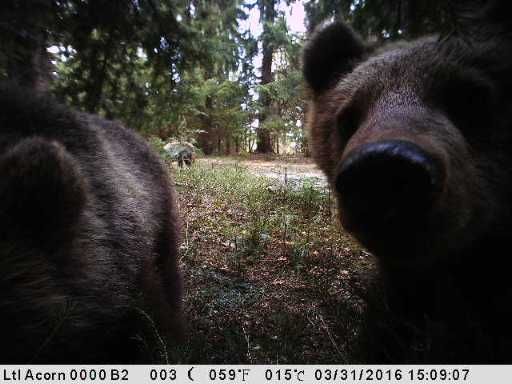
{"x":284,"y":170}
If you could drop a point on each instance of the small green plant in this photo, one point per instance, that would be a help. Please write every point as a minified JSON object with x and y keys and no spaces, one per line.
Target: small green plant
{"x":299,"y":253}
{"x":308,"y":198}
{"x":158,"y":145}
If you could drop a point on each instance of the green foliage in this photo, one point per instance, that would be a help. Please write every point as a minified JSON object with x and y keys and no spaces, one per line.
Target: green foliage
{"x":184,"y":68}
{"x":277,"y":33}
{"x":158,"y":146}
{"x":169,"y":69}
{"x":111,"y":48}
{"x":285,"y":95}
{"x":382,"y":19}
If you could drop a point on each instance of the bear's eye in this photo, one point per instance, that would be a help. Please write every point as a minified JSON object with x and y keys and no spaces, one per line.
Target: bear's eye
{"x":468,"y":101}
{"x":349,"y":120}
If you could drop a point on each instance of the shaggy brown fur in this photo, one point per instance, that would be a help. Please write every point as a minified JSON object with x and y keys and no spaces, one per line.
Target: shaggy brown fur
{"x":88,"y":238}
{"x":417,"y":141}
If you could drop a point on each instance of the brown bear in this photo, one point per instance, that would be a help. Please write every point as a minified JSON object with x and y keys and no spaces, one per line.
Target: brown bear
{"x":416,"y":140}
{"x":88,"y":238}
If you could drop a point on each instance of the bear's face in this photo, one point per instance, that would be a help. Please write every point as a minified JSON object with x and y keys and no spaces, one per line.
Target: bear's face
{"x":415,"y":140}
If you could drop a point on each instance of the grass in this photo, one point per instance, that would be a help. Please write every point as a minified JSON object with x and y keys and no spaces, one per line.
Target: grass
{"x":269,"y":276}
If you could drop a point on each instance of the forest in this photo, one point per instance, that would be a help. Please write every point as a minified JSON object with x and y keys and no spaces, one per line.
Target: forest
{"x":224,"y":75}
{"x":270,"y":275}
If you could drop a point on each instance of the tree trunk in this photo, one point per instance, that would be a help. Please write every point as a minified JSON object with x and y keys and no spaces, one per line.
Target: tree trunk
{"x":206,"y":138}
{"x":267,"y":16}
{"x":205,"y":142}
{"x":23,"y":40}
{"x":228,"y":145}
{"x":412,"y":12}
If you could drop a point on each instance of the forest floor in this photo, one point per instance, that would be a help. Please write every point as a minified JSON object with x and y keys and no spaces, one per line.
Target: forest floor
{"x":293,"y":170}
{"x":269,"y":276}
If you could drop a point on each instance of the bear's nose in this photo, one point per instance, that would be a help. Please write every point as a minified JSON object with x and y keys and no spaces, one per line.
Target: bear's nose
{"x":387,"y":183}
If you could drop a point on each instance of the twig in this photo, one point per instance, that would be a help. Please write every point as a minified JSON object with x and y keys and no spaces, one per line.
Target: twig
{"x":248,"y":344}
{"x":331,"y":338}
{"x":161,"y":341}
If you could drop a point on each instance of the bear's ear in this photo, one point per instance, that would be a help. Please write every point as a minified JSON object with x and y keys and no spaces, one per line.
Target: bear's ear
{"x":41,"y":191}
{"x":332,"y":51}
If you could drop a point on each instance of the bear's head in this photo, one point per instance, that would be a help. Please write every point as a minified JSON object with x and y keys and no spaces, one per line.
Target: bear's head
{"x":416,"y":138}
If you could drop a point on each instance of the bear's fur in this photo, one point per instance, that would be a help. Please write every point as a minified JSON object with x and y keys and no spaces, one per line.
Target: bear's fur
{"x":88,"y":238}
{"x":416,"y":139}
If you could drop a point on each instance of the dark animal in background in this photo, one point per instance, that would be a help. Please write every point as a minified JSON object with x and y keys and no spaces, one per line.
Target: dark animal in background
{"x":185,"y":157}
{"x":88,"y":238}
{"x":416,"y":140}
{"x":182,"y":152}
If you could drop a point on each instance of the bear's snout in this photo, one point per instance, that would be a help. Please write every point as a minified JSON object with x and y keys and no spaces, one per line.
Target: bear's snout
{"x":387,"y":184}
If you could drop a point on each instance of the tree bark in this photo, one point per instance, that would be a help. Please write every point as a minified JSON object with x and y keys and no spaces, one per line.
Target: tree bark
{"x":267,"y":17}
{"x":206,"y":139}
{"x":23,"y":41}
{"x":413,"y":12}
